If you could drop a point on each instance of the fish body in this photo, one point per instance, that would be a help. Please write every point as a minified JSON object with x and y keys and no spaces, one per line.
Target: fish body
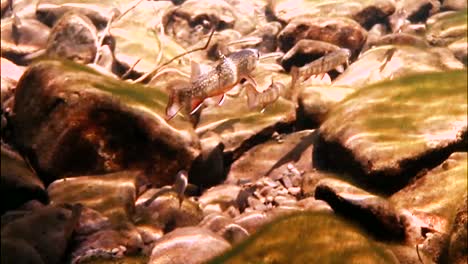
{"x":326,"y":63}
{"x":330,"y":61}
{"x":269,"y":96}
{"x":228,"y":73}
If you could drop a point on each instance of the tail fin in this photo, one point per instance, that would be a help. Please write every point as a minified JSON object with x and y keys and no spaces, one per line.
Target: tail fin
{"x":252,"y":93}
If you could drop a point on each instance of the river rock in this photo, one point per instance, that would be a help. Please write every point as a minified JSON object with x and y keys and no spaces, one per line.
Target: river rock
{"x":219,"y":198}
{"x":188,"y":245}
{"x":457,"y":251}
{"x":238,"y":128}
{"x":112,"y":125}
{"x":316,"y":101}
{"x":273,"y":158}
{"x":328,"y":237}
{"x":19,"y":182}
{"x":112,"y":195}
{"x":396,"y":128}
{"x":305,"y":51}
{"x":393,"y":61}
{"x":46,"y":231}
{"x":449,"y":29}
{"x":434,"y":185}
{"x":454,"y":4}
{"x":188,"y":22}
{"x":365,"y":12}
{"x":22,"y":36}
{"x":446,"y":27}
{"x":140,"y":26}
{"x":167,"y":211}
{"x":73,"y":37}
{"x":416,"y":11}
{"x":343,"y":32}
{"x":373,"y":212}
{"x":100,"y":12}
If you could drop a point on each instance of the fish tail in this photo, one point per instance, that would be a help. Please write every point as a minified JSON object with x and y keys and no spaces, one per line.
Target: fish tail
{"x":252,"y":97}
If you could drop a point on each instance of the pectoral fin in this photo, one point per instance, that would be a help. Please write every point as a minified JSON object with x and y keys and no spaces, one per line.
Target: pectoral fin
{"x":195,"y":105}
{"x":221,"y":101}
{"x":173,"y":106}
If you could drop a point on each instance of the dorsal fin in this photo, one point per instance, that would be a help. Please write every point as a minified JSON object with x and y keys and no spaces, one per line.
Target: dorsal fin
{"x":198,"y":69}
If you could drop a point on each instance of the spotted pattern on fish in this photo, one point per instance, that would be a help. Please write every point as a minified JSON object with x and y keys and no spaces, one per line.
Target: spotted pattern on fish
{"x":229,"y":72}
{"x":325,"y":63}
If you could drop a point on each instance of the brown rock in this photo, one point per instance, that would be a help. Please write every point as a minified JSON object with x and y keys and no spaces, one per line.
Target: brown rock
{"x":46,"y":230}
{"x":458,"y":247}
{"x":19,"y":182}
{"x":188,"y":245}
{"x":64,"y":110}
{"x":304,"y":51}
{"x":373,"y":212}
{"x":73,"y":37}
{"x":112,"y":195}
{"x":273,"y":157}
{"x":343,"y":32}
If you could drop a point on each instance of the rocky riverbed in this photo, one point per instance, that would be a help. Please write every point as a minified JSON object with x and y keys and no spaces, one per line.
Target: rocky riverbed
{"x":355,"y":159}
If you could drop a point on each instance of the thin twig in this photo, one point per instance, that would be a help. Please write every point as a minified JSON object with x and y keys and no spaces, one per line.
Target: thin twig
{"x":130,"y":69}
{"x":419,"y":257}
{"x":151,"y":73}
{"x":128,"y":10}
{"x":102,"y":37}
{"x":106,"y":32}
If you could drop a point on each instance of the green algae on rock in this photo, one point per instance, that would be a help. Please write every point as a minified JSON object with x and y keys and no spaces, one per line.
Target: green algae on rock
{"x":308,"y":238}
{"x":73,"y":121}
{"x":113,"y":194}
{"x":438,"y":192}
{"x":393,"y":61}
{"x":389,"y":131}
{"x":374,"y":213}
{"x":447,"y":27}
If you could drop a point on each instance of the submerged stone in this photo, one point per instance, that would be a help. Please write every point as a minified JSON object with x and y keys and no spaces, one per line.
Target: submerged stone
{"x":188,"y":245}
{"x":73,"y":37}
{"x":363,"y":11}
{"x":45,"y":230}
{"x":438,"y":193}
{"x":64,"y":110}
{"x":308,"y":238}
{"x":393,"y":61}
{"x":340,"y":31}
{"x":274,"y":157}
{"x":19,"y":182}
{"x":385,"y":133}
{"x":112,"y":195}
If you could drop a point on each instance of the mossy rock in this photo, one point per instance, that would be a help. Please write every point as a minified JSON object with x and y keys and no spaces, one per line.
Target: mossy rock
{"x":389,"y":131}
{"x":308,"y":238}
{"x":74,"y":121}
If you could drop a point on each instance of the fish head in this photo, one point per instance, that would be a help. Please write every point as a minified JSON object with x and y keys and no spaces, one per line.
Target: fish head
{"x":246,"y":60}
